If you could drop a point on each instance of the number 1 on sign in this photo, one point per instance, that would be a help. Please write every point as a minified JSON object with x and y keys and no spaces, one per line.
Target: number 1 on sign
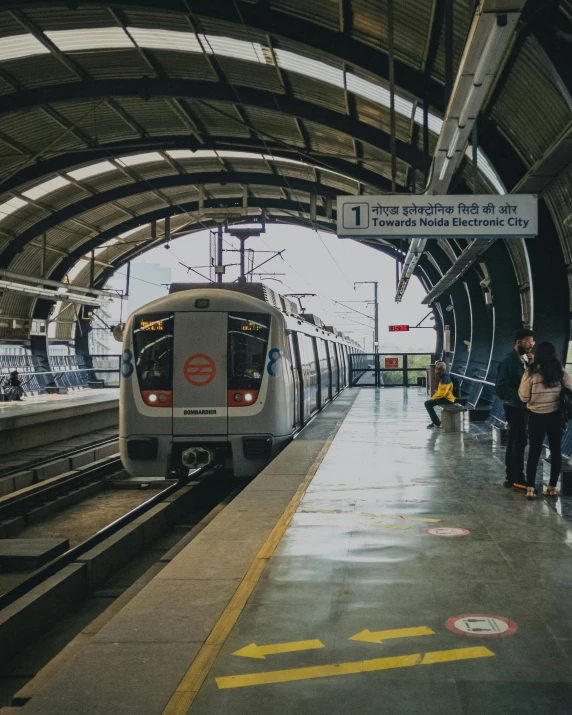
{"x":357,"y":211}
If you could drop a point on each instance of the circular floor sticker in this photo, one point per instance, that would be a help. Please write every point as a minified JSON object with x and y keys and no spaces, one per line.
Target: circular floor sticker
{"x":446,"y":531}
{"x":476,"y":625}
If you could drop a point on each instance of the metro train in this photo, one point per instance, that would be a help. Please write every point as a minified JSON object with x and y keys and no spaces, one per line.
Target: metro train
{"x":226,"y":373}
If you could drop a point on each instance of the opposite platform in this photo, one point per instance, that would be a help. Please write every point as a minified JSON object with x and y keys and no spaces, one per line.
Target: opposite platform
{"x":41,"y":419}
{"x":408,"y":582}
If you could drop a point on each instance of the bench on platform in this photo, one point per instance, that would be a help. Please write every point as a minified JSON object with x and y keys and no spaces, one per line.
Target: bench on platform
{"x":451,"y":416}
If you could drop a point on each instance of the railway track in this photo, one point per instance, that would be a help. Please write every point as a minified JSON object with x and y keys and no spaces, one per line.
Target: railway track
{"x":35,"y":611}
{"x":19,"y":504}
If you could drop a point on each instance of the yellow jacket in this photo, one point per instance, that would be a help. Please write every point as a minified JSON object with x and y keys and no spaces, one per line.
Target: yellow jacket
{"x":444,"y":390}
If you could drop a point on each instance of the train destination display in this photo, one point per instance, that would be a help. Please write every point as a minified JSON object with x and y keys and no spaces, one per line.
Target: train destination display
{"x":423,"y":216}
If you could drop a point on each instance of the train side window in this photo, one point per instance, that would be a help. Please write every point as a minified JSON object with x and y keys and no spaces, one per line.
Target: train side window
{"x":310,"y":373}
{"x":338,"y":366}
{"x":153,"y":348}
{"x":247,"y":343}
{"x":295,"y":379}
{"x":331,"y":376}
{"x":325,"y":382}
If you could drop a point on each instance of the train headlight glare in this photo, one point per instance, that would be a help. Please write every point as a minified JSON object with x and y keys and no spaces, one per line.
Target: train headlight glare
{"x":248,"y":397}
{"x":162,"y":398}
{"x":153,"y":398}
{"x":238,"y":397}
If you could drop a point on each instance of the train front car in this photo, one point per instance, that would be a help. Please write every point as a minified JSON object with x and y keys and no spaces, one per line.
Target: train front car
{"x":203,"y":378}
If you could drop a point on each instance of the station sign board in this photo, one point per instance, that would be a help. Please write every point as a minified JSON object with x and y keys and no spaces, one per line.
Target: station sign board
{"x":451,"y":216}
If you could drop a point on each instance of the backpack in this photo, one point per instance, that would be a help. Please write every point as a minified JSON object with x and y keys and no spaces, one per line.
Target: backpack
{"x":566,"y":404}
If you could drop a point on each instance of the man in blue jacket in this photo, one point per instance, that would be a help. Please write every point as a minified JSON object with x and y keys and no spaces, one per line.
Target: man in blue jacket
{"x":510,"y":372}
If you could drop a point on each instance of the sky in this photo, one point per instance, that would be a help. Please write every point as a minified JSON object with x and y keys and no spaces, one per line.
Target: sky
{"x":312,"y":262}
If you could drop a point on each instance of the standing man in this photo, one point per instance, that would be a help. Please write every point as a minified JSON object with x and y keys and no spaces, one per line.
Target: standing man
{"x":510,"y":372}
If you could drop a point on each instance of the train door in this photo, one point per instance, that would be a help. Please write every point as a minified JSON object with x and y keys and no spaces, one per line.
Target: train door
{"x":200,"y":374}
{"x":295,"y":379}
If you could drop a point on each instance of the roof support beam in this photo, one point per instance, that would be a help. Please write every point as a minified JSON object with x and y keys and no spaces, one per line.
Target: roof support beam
{"x":280,"y":205}
{"x":86,"y":204}
{"x":267,"y":19}
{"x":551,"y":164}
{"x":491,"y":33}
{"x":471,"y":253}
{"x":209,"y":92}
{"x":73,"y":159}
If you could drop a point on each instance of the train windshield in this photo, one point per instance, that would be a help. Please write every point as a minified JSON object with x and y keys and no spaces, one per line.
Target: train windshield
{"x":153,"y":346}
{"x":247,"y":341}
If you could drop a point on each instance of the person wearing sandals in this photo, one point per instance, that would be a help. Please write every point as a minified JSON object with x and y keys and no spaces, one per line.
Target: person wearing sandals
{"x":540,"y":389}
{"x":443,"y":394}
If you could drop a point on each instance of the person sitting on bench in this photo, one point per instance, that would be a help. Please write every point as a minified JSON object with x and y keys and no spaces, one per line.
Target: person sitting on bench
{"x":443,"y":395}
{"x":12,"y":385}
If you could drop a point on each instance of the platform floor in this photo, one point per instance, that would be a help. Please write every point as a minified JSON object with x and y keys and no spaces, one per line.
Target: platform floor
{"x":41,"y":404}
{"x":408,"y":582}
{"x":358,"y":557}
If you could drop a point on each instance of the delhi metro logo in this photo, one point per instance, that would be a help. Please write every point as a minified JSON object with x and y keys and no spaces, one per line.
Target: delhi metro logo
{"x":199,"y":370}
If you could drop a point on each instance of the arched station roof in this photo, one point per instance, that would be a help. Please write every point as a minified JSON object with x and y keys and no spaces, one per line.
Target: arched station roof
{"x":115,"y":115}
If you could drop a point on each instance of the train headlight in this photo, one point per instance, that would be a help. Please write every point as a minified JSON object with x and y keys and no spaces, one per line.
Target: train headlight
{"x":248,"y":397}
{"x":238,"y":397}
{"x":162,"y":398}
{"x":152,"y":398}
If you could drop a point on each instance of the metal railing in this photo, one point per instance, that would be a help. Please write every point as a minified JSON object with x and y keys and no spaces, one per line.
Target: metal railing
{"x":388,"y":369}
{"x":472,"y":379}
{"x":63,"y":371}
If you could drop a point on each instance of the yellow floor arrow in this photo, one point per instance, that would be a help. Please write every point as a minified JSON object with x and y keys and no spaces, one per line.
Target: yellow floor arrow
{"x":361,"y":666}
{"x":380,"y":636}
{"x":261,"y":651}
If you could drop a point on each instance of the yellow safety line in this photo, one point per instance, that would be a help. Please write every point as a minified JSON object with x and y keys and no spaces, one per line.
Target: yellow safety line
{"x":368,"y":636}
{"x":186,"y":691}
{"x":360,"y":666}
{"x":261,"y":651}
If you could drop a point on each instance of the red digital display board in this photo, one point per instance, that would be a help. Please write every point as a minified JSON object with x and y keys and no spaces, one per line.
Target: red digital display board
{"x":398,"y":328}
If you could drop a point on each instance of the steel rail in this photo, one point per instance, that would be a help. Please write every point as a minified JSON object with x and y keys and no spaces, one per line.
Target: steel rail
{"x":18,"y":503}
{"x":38,"y":577}
{"x":25,"y":467}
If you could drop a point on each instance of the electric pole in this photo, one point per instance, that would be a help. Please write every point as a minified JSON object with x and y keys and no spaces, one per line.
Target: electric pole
{"x":376,"y":314}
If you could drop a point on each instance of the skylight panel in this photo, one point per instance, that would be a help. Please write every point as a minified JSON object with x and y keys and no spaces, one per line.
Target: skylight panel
{"x":92,"y":170}
{"x":435,"y":123}
{"x":181,"y":153}
{"x":135,"y":159}
{"x":93,"y":38}
{"x":108,"y":244}
{"x":284,"y":160}
{"x":239,"y":155}
{"x":188,"y":154}
{"x":130,"y":232}
{"x":10,"y":206}
{"x":165,"y":39}
{"x":487,"y":169}
{"x":74,"y":272}
{"x":229,"y":47}
{"x":310,"y":68}
{"x":378,"y":94}
{"x":16,"y":46}
{"x":47,"y":187}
